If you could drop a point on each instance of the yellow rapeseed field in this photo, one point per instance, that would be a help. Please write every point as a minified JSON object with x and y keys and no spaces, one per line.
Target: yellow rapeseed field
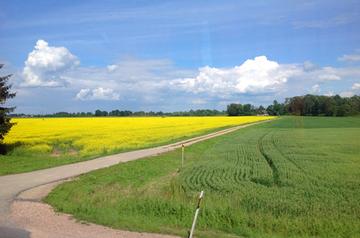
{"x":94,"y":136}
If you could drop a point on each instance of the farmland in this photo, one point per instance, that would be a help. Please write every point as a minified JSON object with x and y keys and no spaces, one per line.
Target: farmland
{"x":37,"y":143}
{"x":293,"y":177}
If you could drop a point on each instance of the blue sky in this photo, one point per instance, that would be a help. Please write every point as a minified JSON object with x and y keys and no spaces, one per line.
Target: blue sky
{"x":176,"y":55}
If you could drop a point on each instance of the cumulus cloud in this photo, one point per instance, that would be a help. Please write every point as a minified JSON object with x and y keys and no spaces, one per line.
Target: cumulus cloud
{"x":328,"y":74}
{"x":315,"y":89}
{"x":356,"y":86}
{"x":97,"y":94}
{"x":134,"y":79}
{"x":347,"y":94}
{"x":350,"y":58}
{"x":158,"y":83}
{"x":199,"y":101}
{"x":308,"y":66}
{"x":355,"y":89}
{"x":46,"y":64}
{"x":261,"y":79}
{"x":329,"y":93}
{"x":112,"y":67}
{"x":253,"y":76}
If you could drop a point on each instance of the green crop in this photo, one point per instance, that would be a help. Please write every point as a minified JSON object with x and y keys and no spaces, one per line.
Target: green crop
{"x":293,"y":177}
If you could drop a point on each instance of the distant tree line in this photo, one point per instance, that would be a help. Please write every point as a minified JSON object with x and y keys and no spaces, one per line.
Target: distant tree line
{"x":308,"y":105}
{"x":235,"y":109}
{"x":127,"y":113}
{"x":312,"y":105}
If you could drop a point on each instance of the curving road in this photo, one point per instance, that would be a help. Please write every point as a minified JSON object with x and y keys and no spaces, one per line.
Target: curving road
{"x":12,"y":185}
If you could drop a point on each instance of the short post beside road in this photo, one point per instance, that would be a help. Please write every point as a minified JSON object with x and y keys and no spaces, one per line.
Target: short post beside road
{"x":196,"y":215}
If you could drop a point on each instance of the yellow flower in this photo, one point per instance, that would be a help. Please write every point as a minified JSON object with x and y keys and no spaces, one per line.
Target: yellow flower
{"x":91,"y":136}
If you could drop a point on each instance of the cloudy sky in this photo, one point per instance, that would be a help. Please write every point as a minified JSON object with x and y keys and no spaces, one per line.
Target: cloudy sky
{"x":176,"y":55}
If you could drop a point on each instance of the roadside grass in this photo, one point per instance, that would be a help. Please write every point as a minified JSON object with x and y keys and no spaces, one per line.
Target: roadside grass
{"x":37,"y":143}
{"x":294,"y":177}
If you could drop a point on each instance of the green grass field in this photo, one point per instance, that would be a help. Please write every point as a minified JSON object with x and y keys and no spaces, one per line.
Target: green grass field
{"x":293,"y":177}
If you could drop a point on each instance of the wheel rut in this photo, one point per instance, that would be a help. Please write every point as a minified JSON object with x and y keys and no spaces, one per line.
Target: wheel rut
{"x":269,"y":161}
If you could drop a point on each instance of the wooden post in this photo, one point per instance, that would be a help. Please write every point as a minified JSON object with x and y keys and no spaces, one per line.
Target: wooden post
{"x":182,"y":155}
{"x":196,"y":215}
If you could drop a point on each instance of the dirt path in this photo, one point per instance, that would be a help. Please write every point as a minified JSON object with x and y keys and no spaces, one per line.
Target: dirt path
{"x":27,"y":214}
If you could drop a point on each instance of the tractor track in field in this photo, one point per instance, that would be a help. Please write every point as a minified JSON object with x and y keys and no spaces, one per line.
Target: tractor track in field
{"x":23,"y":215}
{"x":270,"y":162}
{"x":285,"y":156}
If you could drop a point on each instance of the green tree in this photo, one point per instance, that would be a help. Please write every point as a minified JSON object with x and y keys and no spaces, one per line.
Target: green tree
{"x":296,"y":105}
{"x":247,"y":109}
{"x":315,"y":110}
{"x":330,"y":106}
{"x":261,"y":110}
{"x":98,"y":113}
{"x":5,"y":94}
{"x":309,"y":104}
{"x":278,"y":108}
{"x":232,"y":109}
{"x":354,"y":105}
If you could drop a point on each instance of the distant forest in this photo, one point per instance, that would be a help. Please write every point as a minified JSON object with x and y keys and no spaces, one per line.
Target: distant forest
{"x":308,"y":105}
{"x":127,"y":113}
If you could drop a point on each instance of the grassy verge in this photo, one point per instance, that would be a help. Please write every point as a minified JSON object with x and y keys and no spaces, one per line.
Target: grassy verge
{"x":295,"y":177}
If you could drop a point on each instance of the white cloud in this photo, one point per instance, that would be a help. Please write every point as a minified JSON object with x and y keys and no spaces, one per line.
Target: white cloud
{"x":354,"y":90}
{"x":198,"y":101}
{"x":253,"y":76}
{"x":142,"y":80}
{"x":97,"y":94}
{"x":112,"y":67}
{"x":328,"y":74}
{"x":347,"y":94}
{"x":329,"y":77}
{"x":45,"y":64}
{"x":350,"y":58}
{"x":329,"y":93}
{"x":315,"y":89}
{"x":356,"y":86}
{"x":155,"y":83}
{"x":308,"y":65}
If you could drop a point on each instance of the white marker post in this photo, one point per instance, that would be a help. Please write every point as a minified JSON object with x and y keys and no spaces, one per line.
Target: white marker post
{"x":182,"y":155}
{"x":196,"y":215}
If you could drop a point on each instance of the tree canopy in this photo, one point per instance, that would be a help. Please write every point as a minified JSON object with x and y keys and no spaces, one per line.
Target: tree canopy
{"x":307,"y":105}
{"x":5,"y":124}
